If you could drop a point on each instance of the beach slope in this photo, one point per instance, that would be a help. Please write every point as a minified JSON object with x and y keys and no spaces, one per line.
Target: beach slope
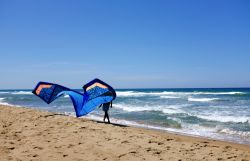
{"x":28,"y":134}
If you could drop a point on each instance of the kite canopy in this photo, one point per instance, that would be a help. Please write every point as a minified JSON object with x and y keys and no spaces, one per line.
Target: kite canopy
{"x":96,"y":92}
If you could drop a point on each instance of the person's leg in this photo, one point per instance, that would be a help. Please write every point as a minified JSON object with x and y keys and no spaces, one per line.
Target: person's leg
{"x":104,"y":117}
{"x":108,"y":117}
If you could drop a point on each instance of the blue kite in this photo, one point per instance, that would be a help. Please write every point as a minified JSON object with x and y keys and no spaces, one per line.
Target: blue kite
{"x":96,"y":92}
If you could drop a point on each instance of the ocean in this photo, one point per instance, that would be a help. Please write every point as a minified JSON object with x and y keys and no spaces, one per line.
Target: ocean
{"x":222,"y":114}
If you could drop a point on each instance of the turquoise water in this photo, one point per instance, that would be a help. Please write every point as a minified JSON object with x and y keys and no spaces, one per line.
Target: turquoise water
{"x":215,"y":113}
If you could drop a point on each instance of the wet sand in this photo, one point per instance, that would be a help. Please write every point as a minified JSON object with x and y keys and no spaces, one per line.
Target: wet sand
{"x":28,"y":134}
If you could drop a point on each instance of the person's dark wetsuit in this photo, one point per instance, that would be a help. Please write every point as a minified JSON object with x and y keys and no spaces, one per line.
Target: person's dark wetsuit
{"x":105,"y":108}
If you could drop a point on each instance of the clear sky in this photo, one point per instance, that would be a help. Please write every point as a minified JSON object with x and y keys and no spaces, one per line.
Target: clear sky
{"x":126,"y":43}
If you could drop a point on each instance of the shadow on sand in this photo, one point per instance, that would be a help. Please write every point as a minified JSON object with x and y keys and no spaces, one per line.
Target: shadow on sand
{"x":114,"y":124}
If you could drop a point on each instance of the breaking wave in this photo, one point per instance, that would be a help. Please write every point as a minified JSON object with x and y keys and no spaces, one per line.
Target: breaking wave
{"x":4,"y":92}
{"x":165,"y":109}
{"x":140,"y":94}
{"x":23,"y":92}
{"x":4,"y":103}
{"x":174,"y":94}
{"x":224,"y":118}
{"x":235,"y":132}
{"x":202,"y":99}
{"x":169,"y":97}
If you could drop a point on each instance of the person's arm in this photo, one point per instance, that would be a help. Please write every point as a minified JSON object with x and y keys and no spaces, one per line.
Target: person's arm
{"x":111,"y":104}
{"x":100,"y":105}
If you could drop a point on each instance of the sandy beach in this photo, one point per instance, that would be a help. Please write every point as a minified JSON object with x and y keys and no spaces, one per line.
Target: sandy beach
{"x":28,"y":134}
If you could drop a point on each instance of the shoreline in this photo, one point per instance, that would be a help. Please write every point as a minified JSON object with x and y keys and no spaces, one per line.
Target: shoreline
{"x":164,"y":130}
{"x":172,"y":114}
{"x":34,"y":134}
{"x":161,"y":129}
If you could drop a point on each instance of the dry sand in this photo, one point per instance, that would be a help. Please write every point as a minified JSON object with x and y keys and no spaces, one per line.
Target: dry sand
{"x":28,"y":134}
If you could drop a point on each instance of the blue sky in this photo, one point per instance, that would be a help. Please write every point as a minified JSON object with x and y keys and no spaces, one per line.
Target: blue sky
{"x":126,"y":43}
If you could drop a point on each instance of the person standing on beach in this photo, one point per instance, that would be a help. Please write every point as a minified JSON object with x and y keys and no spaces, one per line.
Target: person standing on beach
{"x":105,"y":108}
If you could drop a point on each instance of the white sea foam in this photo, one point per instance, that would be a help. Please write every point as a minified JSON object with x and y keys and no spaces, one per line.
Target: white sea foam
{"x":66,"y":96}
{"x":94,"y":117}
{"x":131,"y":108}
{"x":224,"y":118}
{"x":170,"y":94}
{"x":169,"y":97}
{"x":202,"y":99}
{"x":140,"y":94}
{"x":4,"y":103}
{"x":212,"y":93}
{"x":218,"y":93}
{"x":197,"y":129}
{"x":4,"y":92}
{"x":22,"y":93}
{"x":126,"y":94}
{"x":220,"y":116}
{"x":234,"y":132}
{"x":171,"y":109}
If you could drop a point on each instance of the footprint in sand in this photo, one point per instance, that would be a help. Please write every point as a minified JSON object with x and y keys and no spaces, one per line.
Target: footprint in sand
{"x":133,"y":152}
{"x":121,"y":155}
{"x":152,"y":141}
{"x":35,"y":155}
{"x":38,"y":147}
{"x":215,"y":146}
{"x":57,"y":147}
{"x":70,"y":145}
{"x":108,"y":139}
{"x":170,"y":139}
{"x":168,"y":147}
{"x":12,"y":143}
{"x":211,"y":154}
{"x":124,"y":142}
{"x":11,"y":148}
{"x":157,"y":152}
{"x":82,"y":127}
{"x":231,"y":157}
{"x":228,"y":147}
